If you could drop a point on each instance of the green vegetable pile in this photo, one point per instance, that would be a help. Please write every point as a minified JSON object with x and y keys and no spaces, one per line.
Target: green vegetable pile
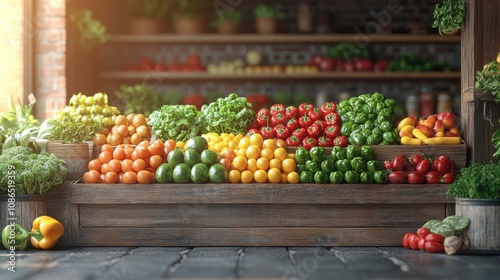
{"x":347,"y":51}
{"x":488,"y":79}
{"x":349,"y":165}
{"x":17,"y":125}
{"x":177,"y":122}
{"x":451,"y":225}
{"x":477,"y":181}
{"x":231,"y":114}
{"x":368,"y":120}
{"x":34,"y":173}
{"x":267,"y":11}
{"x":138,"y":99}
{"x":411,"y":63}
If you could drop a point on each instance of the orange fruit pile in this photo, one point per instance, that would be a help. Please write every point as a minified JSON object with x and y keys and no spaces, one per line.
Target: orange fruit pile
{"x":130,"y":129}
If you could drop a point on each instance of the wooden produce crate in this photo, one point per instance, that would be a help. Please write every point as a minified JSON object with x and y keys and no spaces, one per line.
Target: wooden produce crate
{"x":259,"y":214}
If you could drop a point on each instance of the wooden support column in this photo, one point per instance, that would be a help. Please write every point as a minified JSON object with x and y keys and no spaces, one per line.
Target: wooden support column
{"x":480,"y":44}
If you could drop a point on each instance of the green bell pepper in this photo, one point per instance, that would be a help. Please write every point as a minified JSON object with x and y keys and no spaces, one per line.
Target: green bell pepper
{"x":351,"y":177}
{"x":358,"y":164}
{"x":321,"y":177}
{"x":306,"y":177}
{"x":313,"y":166}
{"x":380,"y":176}
{"x":367,"y":152}
{"x":14,"y":235}
{"x":327,"y":165}
{"x":302,"y":155}
{"x":336,"y":177}
{"x":372,"y":166}
{"x":352,"y":152}
{"x":366,"y":177}
{"x":317,"y":153}
{"x":343,"y":165}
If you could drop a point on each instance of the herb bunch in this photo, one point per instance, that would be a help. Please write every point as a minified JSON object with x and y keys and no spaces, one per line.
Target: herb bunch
{"x":267,"y":11}
{"x":449,"y":15}
{"x":477,"y":181}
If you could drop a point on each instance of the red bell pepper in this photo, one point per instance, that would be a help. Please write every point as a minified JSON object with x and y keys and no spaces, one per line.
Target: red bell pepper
{"x":309,"y":142}
{"x":328,"y":107}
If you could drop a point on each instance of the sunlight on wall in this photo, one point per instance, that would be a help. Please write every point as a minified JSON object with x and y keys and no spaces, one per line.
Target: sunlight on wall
{"x":11,"y":50}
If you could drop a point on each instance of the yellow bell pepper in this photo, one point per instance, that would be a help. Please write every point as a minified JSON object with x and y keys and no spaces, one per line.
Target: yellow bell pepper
{"x":46,"y":232}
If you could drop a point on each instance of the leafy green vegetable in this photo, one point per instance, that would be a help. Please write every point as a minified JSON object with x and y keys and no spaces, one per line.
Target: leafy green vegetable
{"x":449,"y":15}
{"x":177,"y":122}
{"x":138,"y":99}
{"x":347,"y":51}
{"x":431,"y":223}
{"x":458,"y":223}
{"x":232,"y":114}
{"x":69,"y":129}
{"x":33,"y":173}
{"x":443,"y":229}
{"x":495,"y":138}
{"x":477,"y":181}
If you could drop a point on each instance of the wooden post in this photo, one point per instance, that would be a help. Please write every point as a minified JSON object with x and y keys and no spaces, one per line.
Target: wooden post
{"x":480,"y":44}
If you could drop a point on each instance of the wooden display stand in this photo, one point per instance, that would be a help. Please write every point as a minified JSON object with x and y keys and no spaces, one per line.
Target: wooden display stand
{"x":255,"y":214}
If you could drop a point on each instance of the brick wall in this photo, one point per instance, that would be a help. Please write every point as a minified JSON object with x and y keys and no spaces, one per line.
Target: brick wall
{"x":50,"y":57}
{"x":11,"y":50}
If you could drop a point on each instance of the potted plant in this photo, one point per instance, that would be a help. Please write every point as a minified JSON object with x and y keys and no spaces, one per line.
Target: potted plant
{"x":91,"y":32}
{"x":449,"y":16}
{"x":189,"y":16}
{"x":477,"y":195}
{"x":266,"y":18}
{"x":147,"y":15}
{"x":228,"y":21}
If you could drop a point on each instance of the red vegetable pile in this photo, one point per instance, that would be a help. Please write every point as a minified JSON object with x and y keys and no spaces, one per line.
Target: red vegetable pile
{"x":419,"y":170}
{"x":306,"y":126}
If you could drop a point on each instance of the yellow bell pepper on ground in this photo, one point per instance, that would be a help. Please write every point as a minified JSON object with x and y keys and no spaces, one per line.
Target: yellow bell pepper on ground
{"x":46,"y":232}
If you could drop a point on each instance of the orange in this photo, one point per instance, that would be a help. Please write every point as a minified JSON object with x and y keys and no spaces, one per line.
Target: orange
{"x":280,"y":153}
{"x":262,"y":163}
{"x":107,"y":147}
{"x":246,"y":177}
{"x":121,"y":119}
{"x":274,"y":175}
{"x":105,"y":157}
{"x":144,"y":177}
{"x":256,"y":139}
{"x":269,"y":143}
{"x":288,"y":165}
{"x":95,"y":164}
{"x":130,"y":118}
{"x":139,"y":120}
{"x":135,"y":139}
{"x":234,"y":176}
{"x":130,"y":177}
{"x":119,"y":153}
{"x":253,"y":151}
{"x":293,"y":177}
{"x":114,"y":166}
{"x":111,"y":178}
{"x":143,"y":131}
{"x":143,"y":152}
{"x":260,"y":176}
{"x":127,"y":165}
{"x":155,"y":161}
{"x":99,"y":139}
{"x":239,"y":163}
{"x":122,"y":130}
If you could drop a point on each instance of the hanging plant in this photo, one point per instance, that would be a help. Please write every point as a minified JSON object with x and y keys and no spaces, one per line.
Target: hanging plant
{"x":449,"y":16}
{"x":91,"y":31}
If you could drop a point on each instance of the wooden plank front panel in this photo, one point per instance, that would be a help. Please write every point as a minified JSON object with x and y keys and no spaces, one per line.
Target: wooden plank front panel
{"x":261,"y":193}
{"x":242,"y":236}
{"x":255,"y":215}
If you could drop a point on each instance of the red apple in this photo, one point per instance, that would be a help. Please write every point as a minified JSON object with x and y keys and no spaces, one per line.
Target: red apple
{"x":327,"y":64}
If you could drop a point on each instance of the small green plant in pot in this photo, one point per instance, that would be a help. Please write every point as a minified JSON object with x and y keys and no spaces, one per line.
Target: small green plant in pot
{"x":449,"y":16}
{"x":138,"y":99}
{"x":266,"y":18}
{"x":477,"y":196}
{"x":91,"y":31}
{"x":148,"y":16}
{"x":189,"y":16}
{"x":227,"y":21}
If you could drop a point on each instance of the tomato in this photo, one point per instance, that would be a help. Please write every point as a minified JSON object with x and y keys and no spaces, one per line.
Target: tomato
{"x":405,"y":241}
{"x":92,"y":177}
{"x":155,"y":161}
{"x":130,"y":177}
{"x":443,"y":165}
{"x":399,"y":163}
{"x":142,"y":152}
{"x":107,"y":148}
{"x":253,"y":151}
{"x":448,"y":178}
{"x":111,"y":177}
{"x":423,"y":232}
{"x":421,"y":243}
{"x":226,"y":163}
{"x":114,"y":166}
{"x":139,"y":164}
{"x":105,"y":157}
{"x":95,"y":164}
{"x":239,"y":163}
{"x":416,"y":177}
{"x":155,"y":150}
{"x":413,"y":241}
{"x":246,"y":177}
{"x":388,"y":165}
{"x":144,"y":177}
{"x":293,"y":177}
{"x":433,"y":247}
{"x":433,"y":177}
{"x":127,"y":165}
{"x":262,"y":163}
{"x":434,"y":237}
{"x":424,"y":166}
{"x":288,"y":165}
{"x":397,"y":177}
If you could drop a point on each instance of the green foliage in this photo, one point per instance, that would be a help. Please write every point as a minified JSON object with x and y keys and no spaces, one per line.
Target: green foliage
{"x":156,"y":9}
{"x":488,"y":79}
{"x":190,"y":8}
{"x":449,"y":15}
{"x":69,"y":129}
{"x":232,"y":15}
{"x":347,"y":51}
{"x":138,"y":99}
{"x":177,"y":122}
{"x":495,"y":138}
{"x":477,"y":181}
{"x":30,"y":173}
{"x":267,"y":11}
{"x":17,"y":125}
{"x":91,"y":31}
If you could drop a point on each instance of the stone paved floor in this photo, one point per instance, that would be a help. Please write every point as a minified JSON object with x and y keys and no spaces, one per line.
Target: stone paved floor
{"x":246,"y":263}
